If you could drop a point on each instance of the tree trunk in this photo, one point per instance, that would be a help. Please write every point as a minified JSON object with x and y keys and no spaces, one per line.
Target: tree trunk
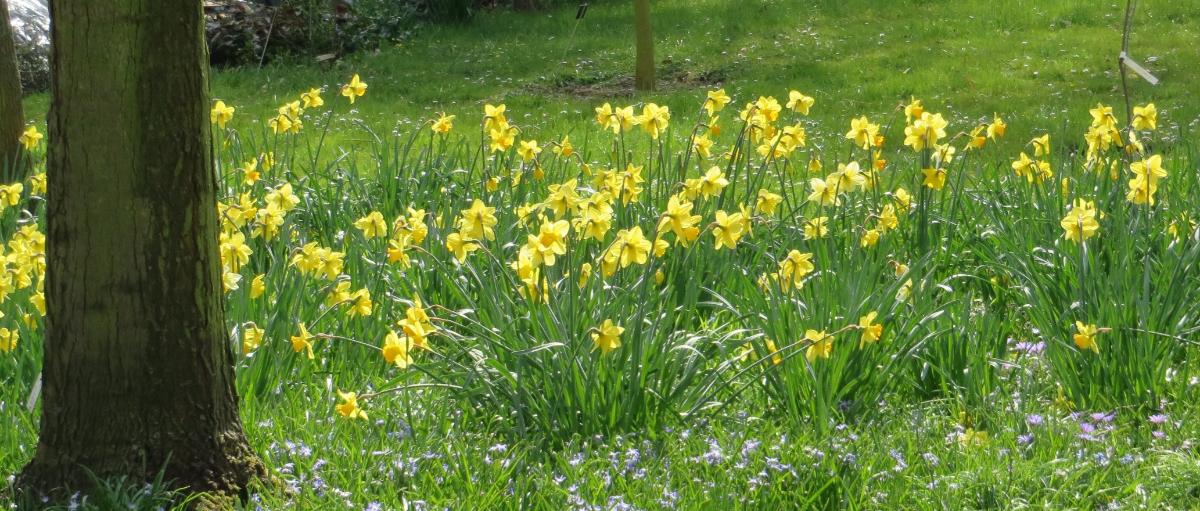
{"x":12,"y":120}
{"x":138,"y":367}
{"x":644,"y":78}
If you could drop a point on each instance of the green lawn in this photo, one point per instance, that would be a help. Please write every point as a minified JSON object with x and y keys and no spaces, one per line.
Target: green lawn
{"x":1030,"y":61}
{"x":978,"y":394}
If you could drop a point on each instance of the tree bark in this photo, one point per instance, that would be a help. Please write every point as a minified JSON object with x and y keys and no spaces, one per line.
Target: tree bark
{"x":644,"y":76}
{"x":138,"y":368}
{"x":12,"y":120}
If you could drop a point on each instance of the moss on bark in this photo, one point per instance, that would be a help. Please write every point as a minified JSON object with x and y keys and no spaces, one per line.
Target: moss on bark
{"x":138,"y":367}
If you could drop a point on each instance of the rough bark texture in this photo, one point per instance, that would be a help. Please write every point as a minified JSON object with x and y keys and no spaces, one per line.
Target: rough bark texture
{"x":138,"y":368}
{"x":644,"y":77}
{"x":12,"y":120}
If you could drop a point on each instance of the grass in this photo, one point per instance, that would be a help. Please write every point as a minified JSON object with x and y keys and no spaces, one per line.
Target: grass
{"x":976,"y":396}
{"x":1029,"y":60}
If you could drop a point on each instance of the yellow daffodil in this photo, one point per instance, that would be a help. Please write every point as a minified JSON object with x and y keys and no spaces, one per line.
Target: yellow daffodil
{"x":776,"y":357}
{"x":815,"y":228}
{"x":312,"y":98}
{"x":563,"y":199}
{"x":887,"y":219}
{"x":361,"y":304}
{"x":30,"y":137}
{"x":478,"y":221}
{"x":397,"y":350}
{"x":443,"y":124}
{"x":501,"y":139}
{"x":716,"y":101}
{"x":1145,"y":117}
{"x":282,"y":197}
{"x":728,"y":229}
{"x":460,"y":246}
{"x":1041,"y":146}
{"x":303,"y":342}
{"x":37,"y":183}
{"x":793,"y":269}
{"x":848,"y":178}
{"x":529,"y":150}
{"x":925,"y":131}
{"x":607,"y":336}
{"x":862,"y":132}
{"x":903,"y":199}
{"x":905,"y":290}
{"x":1103,"y":118}
{"x":220,"y":114}
{"x":1080,"y":222}
{"x":871,"y":331}
{"x":234,"y":251}
{"x":8,"y":339}
{"x":702,"y":145}
{"x":585,"y":274}
{"x":607,"y":118}
{"x":633,"y":247}
{"x":935,"y":178}
{"x":869,"y":238}
{"x":252,"y":338}
{"x":713,"y":182}
{"x":654,"y":119}
{"x":799,"y":103}
{"x":230,"y":280}
{"x":549,"y":243}
{"x":767,"y":201}
{"x":823,"y":192}
{"x":913,"y":109}
{"x":318,"y":260}
{"x":564,"y":148}
{"x":1144,"y":185}
{"x":291,"y":109}
{"x":820,"y":344}
{"x":997,"y":128}
{"x":679,"y":220}
{"x":976,"y":139}
{"x":348,"y":407}
{"x":1085,"y":337}
{"x":355,"y":89}
{"x":973,"y":438}
{"x":372,"y":225}
{"x":258,"y":286}
{"x":1150,"y":168}
{"x":280,"y":124}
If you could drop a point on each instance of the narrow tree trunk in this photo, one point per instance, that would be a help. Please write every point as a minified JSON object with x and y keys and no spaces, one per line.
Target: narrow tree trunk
{"x":644,"y":77}
{"x":12,"y":120}
{"x":138,"y":367}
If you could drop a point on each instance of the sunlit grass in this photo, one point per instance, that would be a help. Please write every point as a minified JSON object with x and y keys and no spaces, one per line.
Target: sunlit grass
{"x":928,"y":358}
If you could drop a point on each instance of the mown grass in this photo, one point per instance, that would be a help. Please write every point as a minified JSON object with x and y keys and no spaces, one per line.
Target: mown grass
{"x":1031,"y":60}
{"x":975,"y":398}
